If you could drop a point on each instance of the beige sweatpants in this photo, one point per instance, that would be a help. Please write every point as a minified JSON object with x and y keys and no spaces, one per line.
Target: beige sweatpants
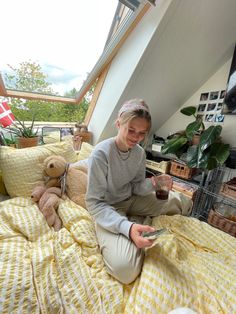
{"x":122,"y":258}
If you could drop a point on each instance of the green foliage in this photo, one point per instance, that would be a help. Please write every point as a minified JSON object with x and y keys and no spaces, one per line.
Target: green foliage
{"x":210,"y":153}
{"x":30,"y":77}
{"x":188,"y":111}
{"x":7,"y":141}
{"x":10,"y":141}
{"x":175,"y":146}
{"x":196,"y":126}
{"x":22,"y":130}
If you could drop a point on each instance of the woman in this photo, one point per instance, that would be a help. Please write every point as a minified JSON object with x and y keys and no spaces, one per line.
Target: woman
{"x":118,"y":189}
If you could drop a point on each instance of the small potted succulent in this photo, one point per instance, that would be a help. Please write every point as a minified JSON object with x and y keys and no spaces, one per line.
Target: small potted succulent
{"x":26,"y":135}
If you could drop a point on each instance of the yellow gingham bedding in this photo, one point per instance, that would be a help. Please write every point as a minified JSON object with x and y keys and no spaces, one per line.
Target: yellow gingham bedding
{"x":42,"y":271}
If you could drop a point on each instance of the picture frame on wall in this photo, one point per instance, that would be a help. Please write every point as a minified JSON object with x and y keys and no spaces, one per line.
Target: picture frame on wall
{"x":210,"y":110}
{"x":211,"y":106}
{"x":204,"y":96}
{"x":200,"y":117}
{"x":201,"y":107}
{"x":214,"y":95}
{"x":219,"y":118}
{"x":210,"y":117}
{"x":219,"y":106}
{"x":222,"y":94}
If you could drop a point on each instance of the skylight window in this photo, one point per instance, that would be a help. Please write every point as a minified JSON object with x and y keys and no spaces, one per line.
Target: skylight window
{"x":64,"y":38}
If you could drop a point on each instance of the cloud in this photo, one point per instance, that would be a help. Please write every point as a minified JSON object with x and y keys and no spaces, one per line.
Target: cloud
{"x":61,"y":79}
{"x":66,"y":37}
{"x":58,"y":74}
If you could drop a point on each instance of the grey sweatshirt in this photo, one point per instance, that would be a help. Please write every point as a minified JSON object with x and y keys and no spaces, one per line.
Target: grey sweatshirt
{"x":112,"y":179}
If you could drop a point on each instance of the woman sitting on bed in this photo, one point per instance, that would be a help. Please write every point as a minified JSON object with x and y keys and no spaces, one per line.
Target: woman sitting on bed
{"x":118,"y":189}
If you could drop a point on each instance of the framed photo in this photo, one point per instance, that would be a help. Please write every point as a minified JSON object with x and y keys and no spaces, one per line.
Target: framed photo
{"x":222,"y":94}
{"x":201,"y":107}
{"x":219,"y":106}
{"x":219,"y":118}
{"x":209,"y":117}
{"x":200,"y":117}
{"x":204,"y":96}
{"x":211,"y":107}
{"x":214,"y":95}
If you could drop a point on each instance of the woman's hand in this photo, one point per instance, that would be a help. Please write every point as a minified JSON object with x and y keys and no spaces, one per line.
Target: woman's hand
{"x":135,"y":233}
{"x":163,"y":179}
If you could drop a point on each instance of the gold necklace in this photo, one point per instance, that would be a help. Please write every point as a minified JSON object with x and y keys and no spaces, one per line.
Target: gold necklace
{"x":123,"y":155}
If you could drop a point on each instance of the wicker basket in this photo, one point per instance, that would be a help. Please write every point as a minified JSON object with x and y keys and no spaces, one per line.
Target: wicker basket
{"x":163,"y":166}
{"x":219,"y":221}
{"x":182,"y":171}
{"x":229,"y":190}
{"x":184,"y":188}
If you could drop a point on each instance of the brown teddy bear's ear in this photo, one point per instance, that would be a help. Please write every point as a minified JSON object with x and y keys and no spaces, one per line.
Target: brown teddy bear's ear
{"x":46,"y":161}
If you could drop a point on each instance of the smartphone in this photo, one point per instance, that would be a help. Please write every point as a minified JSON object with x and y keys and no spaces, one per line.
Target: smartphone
{"x":154,"y":234}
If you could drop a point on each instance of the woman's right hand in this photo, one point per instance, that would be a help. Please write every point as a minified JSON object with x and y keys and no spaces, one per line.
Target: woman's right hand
{"x":135,"y":233}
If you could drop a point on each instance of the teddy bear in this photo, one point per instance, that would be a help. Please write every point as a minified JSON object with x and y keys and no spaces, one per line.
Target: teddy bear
{"x":48,"y":200}
{"x":73,"y":181}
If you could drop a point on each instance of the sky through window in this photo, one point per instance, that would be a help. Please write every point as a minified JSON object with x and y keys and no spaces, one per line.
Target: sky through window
{"x":66,"y":37}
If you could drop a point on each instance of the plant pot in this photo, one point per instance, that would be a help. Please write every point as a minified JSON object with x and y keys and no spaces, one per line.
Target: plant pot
{"x":27,"y":141}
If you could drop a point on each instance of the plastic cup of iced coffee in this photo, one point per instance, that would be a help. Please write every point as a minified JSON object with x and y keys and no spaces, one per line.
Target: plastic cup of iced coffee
{"x":163,"y":187}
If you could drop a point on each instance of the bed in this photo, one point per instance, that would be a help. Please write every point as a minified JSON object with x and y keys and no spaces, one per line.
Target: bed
{"x":42,"y":271}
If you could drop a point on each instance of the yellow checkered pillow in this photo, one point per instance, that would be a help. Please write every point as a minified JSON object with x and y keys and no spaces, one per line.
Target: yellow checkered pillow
{"x":22,"y":169}
{"x":85,"y":151}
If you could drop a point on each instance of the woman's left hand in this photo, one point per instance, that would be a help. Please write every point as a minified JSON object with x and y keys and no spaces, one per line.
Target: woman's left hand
{"x":136,"y":231}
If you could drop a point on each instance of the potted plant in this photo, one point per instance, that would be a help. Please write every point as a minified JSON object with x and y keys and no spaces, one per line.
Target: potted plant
{"x":10,"y":142}
{"x":208,"y":154}
{"x":26,"y":136}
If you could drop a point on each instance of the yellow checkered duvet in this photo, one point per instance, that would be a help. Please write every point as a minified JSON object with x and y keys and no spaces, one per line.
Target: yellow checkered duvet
{"x":42,"y":271}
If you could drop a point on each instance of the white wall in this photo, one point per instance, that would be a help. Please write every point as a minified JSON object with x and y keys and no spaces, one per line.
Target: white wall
{"x":174,"y":49}
{"x":120,"y":74}
{"x":178,"y":121}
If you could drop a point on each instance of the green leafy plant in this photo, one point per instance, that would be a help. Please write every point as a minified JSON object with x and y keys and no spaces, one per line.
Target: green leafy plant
{"x":210,"y":153}
{"x":22,"y":130}
{"x":195,"y":127}
{"x":9,"y":141}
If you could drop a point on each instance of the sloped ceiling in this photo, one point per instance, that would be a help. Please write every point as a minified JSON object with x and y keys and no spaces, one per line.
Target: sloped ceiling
{"x":193,"y":40}
{"x":198,"y":38}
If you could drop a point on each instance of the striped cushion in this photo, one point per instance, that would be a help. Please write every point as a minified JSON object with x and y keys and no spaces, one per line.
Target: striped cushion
{"x":22,"y":168}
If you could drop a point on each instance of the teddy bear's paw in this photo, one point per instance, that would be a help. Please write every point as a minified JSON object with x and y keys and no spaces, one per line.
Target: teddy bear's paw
{"x":58,"y":224}
{"x":79,"y":200}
